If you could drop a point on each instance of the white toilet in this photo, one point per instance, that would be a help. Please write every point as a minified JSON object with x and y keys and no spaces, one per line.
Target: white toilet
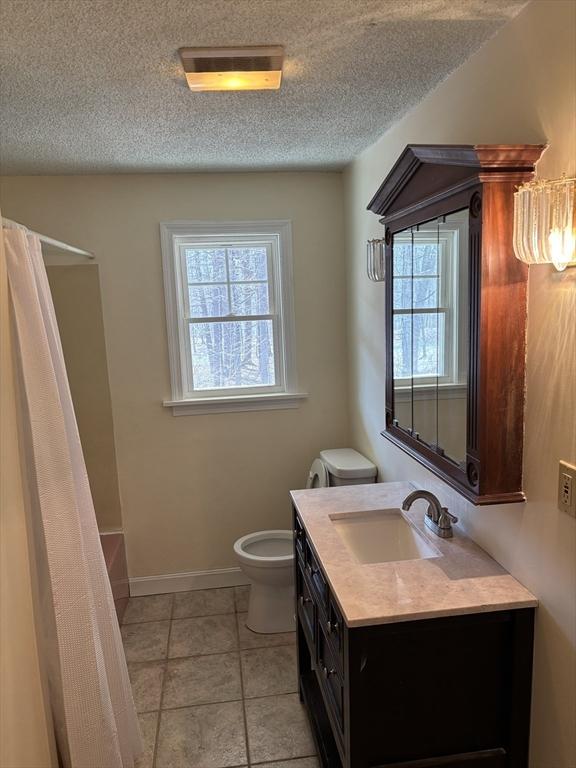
{"x":267,"y":557}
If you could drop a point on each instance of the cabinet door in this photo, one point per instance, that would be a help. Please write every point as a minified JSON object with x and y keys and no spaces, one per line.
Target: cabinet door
{"x":306,"y":609}
{"x":331,"y":682}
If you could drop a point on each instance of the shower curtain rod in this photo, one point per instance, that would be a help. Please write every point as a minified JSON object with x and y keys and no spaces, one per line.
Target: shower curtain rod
{"x":50,"y":241}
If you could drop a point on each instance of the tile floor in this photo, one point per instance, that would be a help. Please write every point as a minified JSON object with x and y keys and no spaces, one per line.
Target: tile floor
{"x":209,"y":692}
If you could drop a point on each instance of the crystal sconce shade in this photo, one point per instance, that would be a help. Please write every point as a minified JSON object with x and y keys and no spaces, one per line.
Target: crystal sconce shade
{"x":375,"y":260}
{"x":544,"y":223}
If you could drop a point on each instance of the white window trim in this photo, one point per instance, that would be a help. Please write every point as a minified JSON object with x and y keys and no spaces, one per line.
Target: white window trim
{"x":172,"y":233}
{"x":451,"y":237}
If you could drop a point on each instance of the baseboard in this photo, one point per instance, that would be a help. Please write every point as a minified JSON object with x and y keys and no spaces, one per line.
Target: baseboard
{"x":185,"y":582}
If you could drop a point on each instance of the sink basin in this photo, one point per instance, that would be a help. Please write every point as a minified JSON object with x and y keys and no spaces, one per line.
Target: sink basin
{"x":382,"y":536}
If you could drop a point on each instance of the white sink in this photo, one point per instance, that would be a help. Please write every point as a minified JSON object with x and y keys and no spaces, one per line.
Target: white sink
{"x":382,"y":536}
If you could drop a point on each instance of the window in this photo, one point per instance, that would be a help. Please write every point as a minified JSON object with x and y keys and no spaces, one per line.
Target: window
{"x":230,"y":315}
{"x":429,"y":268}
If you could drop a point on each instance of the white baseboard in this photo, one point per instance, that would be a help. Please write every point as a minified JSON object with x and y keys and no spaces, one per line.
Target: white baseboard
{"x":185,"y":582}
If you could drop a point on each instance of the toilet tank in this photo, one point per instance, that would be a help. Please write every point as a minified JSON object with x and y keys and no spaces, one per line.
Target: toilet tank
{"x":348,"y":467}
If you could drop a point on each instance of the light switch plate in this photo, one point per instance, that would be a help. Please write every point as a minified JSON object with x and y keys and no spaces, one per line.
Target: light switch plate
{"x":567,"y":488}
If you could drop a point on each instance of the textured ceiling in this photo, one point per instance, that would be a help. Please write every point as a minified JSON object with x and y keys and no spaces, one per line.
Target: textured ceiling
{"x":96,"y":85}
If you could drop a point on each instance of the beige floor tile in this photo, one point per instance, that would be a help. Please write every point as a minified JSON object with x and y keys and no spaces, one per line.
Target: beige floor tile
{"x":249,"y":639}
{"x":278,"y":729}
{"x":145,"y":642}
{"x":202,"y":680}
{"x":269,"y":671}
{"x":210,"y":736}
{"x":242,"y":595}
{"x":203,"y":602}
{"x":149,"y":608}
{"x":206,"y":634}
{"x":305,"y":762}
{"x":146,"y":679}
{"x":148,"y":723}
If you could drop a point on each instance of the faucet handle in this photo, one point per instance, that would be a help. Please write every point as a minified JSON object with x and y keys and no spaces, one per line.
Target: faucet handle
{"x":446,"y":519}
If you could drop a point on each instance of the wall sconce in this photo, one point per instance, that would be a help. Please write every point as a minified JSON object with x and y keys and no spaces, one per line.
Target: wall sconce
{"x":544,"y":222}
{"x":375,"y":260}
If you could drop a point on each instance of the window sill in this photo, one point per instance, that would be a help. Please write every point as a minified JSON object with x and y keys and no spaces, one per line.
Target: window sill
{"x":203,"y":405}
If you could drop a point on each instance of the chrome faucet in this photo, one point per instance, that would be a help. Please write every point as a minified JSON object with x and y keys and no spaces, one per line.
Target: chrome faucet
{"x":437,"y":517}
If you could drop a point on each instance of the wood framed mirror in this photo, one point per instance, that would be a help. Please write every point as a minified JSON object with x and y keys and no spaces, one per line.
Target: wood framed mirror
{"x":456,"y":314}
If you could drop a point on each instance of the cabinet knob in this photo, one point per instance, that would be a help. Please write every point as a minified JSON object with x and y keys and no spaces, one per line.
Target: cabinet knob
{"x":303,"y":600}
{"x":327,"y":672}
{"x":331,"y":626}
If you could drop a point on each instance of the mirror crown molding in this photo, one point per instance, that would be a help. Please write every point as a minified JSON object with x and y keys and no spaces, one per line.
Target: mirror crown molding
{"x":427,"y":173}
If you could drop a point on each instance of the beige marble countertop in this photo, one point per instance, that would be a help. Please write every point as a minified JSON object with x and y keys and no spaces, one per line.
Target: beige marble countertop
{"x":462,"y":579}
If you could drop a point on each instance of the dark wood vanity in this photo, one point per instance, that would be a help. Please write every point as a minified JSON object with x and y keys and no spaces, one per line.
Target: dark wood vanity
{"x":455,"y":318}
{"x":451,"y":691}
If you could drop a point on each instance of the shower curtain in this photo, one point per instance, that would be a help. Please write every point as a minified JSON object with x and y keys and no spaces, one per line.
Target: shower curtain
{"x":94,"y":716}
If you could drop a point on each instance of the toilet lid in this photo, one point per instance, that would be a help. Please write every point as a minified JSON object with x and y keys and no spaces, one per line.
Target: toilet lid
{"x":318,"y":475}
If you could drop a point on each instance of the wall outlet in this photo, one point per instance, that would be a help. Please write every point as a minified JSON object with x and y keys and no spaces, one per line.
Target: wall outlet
{"x":567,"y":488}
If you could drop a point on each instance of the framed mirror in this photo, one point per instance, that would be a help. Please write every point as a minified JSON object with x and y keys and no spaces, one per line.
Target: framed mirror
{"x":455,"y":314}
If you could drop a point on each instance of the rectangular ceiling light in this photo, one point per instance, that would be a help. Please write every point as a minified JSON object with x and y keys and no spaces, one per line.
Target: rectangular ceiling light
{"x":246,"y":68}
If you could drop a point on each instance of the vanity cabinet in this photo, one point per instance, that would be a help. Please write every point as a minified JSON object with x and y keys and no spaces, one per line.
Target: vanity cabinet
{"x":429,"y":693}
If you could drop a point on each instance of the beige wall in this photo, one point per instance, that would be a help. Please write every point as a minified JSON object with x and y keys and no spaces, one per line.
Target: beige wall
{"x":190,"y":485}
{"x":520,"y":87}
{"x":78,"y":304}
{"x":26,"y":736}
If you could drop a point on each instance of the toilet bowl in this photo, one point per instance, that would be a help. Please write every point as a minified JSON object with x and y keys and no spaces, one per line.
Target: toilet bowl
{"x":267,"y":559}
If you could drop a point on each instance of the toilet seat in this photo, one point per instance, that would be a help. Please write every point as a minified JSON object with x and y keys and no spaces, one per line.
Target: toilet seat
{"x":266,"y":549}
{"x":318,"y":476}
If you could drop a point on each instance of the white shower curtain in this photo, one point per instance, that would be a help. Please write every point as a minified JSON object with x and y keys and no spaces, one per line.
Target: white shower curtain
{"x":95,"y":720}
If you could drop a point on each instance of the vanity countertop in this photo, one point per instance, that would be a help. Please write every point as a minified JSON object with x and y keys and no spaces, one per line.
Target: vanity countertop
{"x":463,"y":579}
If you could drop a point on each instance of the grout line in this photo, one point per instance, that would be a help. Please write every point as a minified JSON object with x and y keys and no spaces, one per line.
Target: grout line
{"x":178,"y":618}
{"x":154,"y":754}
{"x":148,"y":621}
{"x":221,"y":653}
{"x":165,"y":659}
{"x":223,"y":701}
{"x":285,"y":760}
{"x":243,"y":697}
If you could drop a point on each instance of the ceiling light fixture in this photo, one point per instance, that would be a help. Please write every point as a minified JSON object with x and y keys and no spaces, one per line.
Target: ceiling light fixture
{"x":245,"y":68}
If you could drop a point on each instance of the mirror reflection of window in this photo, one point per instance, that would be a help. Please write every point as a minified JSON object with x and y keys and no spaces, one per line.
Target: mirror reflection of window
{"x":430,"y":331}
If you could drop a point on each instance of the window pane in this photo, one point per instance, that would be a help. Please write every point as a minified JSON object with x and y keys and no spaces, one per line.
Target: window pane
{"x":420,"y":293}
{"x":428,"y":343}
{"x":208,"y":300}
{"x":247,"y":264}
{"x":425,"y":258}
{"x":422,"y":259}
{"x":419,"y":345}
{"x":402,"y":292}
{"x":250,"y":299}
{"x":206,"y":265}
{"x":425,"y":292}
{"x":232,"y":354}
{"x":402,"y":258}
{"x":402,"y":346}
